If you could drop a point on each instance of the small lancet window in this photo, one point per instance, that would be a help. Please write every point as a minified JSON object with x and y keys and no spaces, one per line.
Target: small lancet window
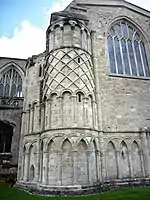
{"x":40,"y":71}
{"x":127,"y":53}
{"x":79,"y":97}
{"x":79,"y":60}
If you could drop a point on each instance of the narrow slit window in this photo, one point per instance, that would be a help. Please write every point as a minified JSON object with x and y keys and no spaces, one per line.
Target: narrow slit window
{"x":78,"y":60}
{"x":79,"y":97}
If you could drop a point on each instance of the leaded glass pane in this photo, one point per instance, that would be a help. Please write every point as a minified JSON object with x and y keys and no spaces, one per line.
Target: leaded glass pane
{"x":124,"y":30}
{"x":132,"y":59}
{"x":125,"y":57}
{"x":117,"y":29}
{"x":111,"y":55}
{"x":144,"y":59}
{"x":118,"y":56}
{"x":1,"y":89}
{"x":131,"y":32}
{"x":138,"y":57}
{"x":19,"y":80}
{"x":13,"y":90}
{"x":112,"y":32}
{"x":19,"y":91}
{"x":6,"y":92}
{"x":7,"y":79}
{"x":137,"y":37}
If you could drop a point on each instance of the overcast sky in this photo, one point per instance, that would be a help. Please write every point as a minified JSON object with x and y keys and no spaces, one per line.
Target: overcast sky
{"x":23,"y":24}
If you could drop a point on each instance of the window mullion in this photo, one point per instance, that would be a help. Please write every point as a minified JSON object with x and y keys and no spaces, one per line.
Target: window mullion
{"x":142,"y":59}
{"x":16,"y":84}
{"x":5,"y":77}
{"x":10,"y":83}
{"x":128,"y":56}
{"x":122,"y":56}
{"x":121,"y":50}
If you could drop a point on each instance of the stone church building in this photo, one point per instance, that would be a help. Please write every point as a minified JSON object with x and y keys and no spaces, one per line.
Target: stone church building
{"x":80,"y":109}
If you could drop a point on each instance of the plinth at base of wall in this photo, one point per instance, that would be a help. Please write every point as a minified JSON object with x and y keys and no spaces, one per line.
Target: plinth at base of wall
{"x":77,"y":190}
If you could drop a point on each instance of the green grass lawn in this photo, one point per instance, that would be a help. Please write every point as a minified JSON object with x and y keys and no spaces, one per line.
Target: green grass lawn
{"x":7,"y":193}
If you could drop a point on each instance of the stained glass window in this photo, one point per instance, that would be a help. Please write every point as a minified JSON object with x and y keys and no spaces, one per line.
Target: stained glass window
{"x":10,"y":84}
{"x":127,"y":53}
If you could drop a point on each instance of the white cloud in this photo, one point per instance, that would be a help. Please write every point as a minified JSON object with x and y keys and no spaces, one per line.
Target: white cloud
{"x":58,"y":5}
{"x":28,"y":39}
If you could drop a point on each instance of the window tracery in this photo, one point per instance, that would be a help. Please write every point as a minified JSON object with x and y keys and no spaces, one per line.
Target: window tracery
{"x":127,"y":53}
{"x":11,"y":84}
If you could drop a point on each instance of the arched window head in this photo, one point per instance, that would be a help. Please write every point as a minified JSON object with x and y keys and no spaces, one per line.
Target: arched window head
{"x":127,"y":54}
{"x":11,"y":84}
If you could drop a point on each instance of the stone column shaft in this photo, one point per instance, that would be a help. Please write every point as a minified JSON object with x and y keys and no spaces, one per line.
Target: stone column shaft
{"x":145,"y":154}
{"x":38,"y":159}
{"x":142,"y":163}
{"x":130,"y":164}
{"x":96,"y":163}
{"x":85,"y":111}
{"x":75,"y":179}
{"x":27,"y":121}
{"x":46,"y":115}
{"x":46,"y":168}
{"x":37,"y":123}
{"x":88,"y":167}
{"x":26,"y":166}
{"x":103,"y":165}
{"x":74,"y":111}
{"x":31,"y":121}
{"x":118,"y":164}
{"x":60,"y":111}
{"x":50,"y":107}
{"x":22,"y":166}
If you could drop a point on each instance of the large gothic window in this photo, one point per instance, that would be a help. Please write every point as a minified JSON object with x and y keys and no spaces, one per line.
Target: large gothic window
{"x":127,"y":54}
{"x":10,"y":84}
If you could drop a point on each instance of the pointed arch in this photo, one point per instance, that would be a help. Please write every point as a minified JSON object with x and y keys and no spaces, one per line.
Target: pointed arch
{"x":111,"y":161}
{"x":52,"y":164}
{"x":136,"y":161}
{"x":126,"y":48}
{"x":67,"y":163}
{"x":32,"y":160}
{"x":51,"y":146}
{"x":82,"y":163}
{"x":32,"y":173}
{"x":124,"y":160}
{"x":54,"y":111}
{"x":66,"y":109}
{"x":92,"y":162}
{"x":15,"y":66}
